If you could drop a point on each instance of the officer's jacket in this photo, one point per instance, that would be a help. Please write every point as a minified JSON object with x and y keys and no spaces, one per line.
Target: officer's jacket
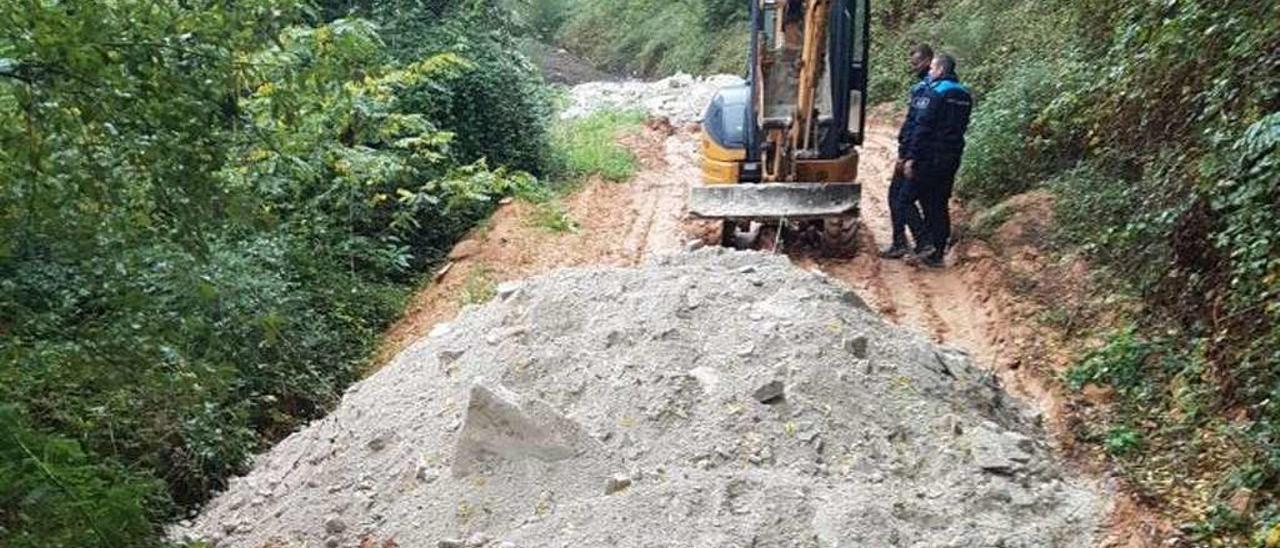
{"x":939,"y":119}
{"x":908,"y":125}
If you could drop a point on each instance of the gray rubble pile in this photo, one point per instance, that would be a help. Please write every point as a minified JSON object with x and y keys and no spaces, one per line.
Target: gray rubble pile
{"x":680,"y":98}
{"x":709,"y":399}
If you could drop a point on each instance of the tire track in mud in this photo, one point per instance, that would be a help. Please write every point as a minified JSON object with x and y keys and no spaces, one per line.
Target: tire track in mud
{"x":658,"y":192}
{"x":938,"y":302}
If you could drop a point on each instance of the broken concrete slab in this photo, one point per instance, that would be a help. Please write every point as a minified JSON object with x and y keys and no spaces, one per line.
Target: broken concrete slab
{"x":500,"y":423}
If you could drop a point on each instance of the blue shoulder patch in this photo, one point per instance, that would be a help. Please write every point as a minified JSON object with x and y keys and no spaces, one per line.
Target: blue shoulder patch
{"x":944,"y":86}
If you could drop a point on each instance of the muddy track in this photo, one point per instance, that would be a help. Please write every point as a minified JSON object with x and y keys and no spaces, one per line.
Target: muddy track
{"x":938,"y":302}
{"x":657,"y":197}
{"x":624,"y":223}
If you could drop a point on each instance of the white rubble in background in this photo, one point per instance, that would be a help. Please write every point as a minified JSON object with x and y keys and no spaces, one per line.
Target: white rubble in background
{"x":680,"y":98}
{"x":710,"y":399}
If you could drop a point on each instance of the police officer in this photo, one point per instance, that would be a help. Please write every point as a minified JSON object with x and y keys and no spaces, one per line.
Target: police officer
{"x":906,"y":214}
{"x":933,"y":151}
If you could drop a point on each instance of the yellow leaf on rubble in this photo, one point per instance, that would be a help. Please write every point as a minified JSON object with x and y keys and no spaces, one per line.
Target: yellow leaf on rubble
{"x":1273,"y":537}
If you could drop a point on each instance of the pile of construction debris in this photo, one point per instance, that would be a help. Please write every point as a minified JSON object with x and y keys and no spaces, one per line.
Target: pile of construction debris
{"x":709,"y":399}
{"x":680,"y":98}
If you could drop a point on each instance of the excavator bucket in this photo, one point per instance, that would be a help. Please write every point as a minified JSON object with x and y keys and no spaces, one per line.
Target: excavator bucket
{"x":746,"y":201}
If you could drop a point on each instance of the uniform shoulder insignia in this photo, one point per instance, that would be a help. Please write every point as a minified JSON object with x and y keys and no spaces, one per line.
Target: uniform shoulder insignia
{"x":921,"y":102}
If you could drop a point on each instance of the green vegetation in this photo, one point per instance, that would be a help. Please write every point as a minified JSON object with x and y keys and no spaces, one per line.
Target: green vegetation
{"x":553,"y":216}
{"x":210,"y":213}
{"x":648,"y":37}
{"x":479,"y":286}
{"x":590,"y":146}
{"x":1122,"y":440}
{"x":584,"y":148}
{"x":987,"y":221}
{"x":1157,"y":126}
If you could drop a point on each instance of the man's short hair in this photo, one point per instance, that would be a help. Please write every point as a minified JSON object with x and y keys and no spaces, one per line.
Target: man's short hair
{"x":947,"y":61}
{"x":922,"y":50}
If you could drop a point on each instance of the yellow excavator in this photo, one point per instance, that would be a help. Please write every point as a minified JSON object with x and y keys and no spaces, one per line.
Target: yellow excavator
{"x":781,"y":150}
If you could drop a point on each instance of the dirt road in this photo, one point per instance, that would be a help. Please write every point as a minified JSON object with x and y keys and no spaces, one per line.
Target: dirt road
{"x":972,"y":305}
{"x":616,"y":224}
{"x":939,"y":302}
{"x":624,"y":223}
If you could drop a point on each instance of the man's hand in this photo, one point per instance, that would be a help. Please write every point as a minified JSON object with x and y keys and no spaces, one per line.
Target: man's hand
{"x":897,"y":168}
{"x":909,"y":169}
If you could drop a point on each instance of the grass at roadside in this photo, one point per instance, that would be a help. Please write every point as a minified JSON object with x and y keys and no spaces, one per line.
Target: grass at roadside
{"x":588,"y":146}
{"x":584,"y":148}
{"x":479,"y":287}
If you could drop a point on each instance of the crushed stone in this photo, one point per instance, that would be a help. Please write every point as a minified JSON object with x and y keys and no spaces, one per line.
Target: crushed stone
{"x":614,"y":407}
{"x":680,"y":98}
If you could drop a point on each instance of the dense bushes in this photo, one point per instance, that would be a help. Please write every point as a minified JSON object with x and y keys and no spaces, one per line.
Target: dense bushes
{"x":497,"y":108}
{"x":53,"y":494}
{"x":1009,"y":151}
{"x":210,"y":213}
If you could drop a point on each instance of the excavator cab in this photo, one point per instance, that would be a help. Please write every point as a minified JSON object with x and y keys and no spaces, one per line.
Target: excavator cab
{"x":781,"y":149}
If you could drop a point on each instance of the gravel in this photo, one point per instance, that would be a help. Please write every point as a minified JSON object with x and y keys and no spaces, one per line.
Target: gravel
{"x":681,"y":98}
{"x":615,"y":407}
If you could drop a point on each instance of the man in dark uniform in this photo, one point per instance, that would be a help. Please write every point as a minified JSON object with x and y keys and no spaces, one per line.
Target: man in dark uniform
{"x":933,"y":151}
{"x":904,"y":214}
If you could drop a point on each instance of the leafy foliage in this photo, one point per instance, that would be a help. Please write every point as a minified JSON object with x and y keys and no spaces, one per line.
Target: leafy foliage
{"x":497,"y":106}
{"x":53,"y":494}
{"x":1122,"y":363}
{"x":213,"y":211}
{"x":1122,"y":440}
{"x":1009,"y":150}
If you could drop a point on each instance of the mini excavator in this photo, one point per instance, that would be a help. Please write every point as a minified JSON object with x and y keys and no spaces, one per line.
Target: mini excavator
{"x":780,"y":150}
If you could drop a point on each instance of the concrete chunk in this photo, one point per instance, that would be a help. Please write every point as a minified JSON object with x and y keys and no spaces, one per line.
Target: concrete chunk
{"x":769,"y":393}
{"x":616,"y":483}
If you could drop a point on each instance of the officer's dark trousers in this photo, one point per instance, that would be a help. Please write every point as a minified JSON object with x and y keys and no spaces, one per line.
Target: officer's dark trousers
{"x":934,"y":180}
{"x":904,"y":213}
